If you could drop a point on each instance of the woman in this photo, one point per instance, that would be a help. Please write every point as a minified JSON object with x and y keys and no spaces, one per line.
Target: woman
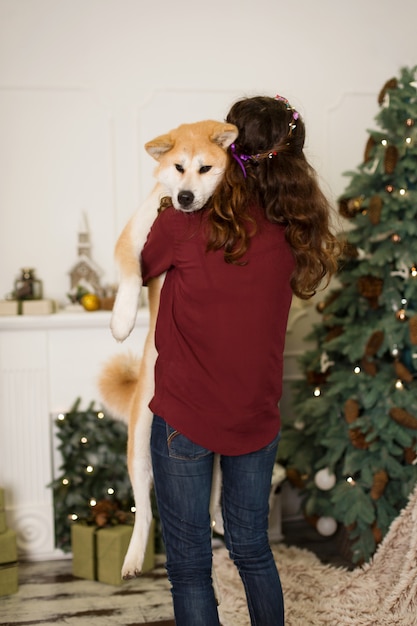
{"x":232,"y":269}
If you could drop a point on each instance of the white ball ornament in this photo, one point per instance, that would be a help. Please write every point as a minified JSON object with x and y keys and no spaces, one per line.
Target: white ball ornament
{"x":325,"y":479}
{"x":326,"y":526}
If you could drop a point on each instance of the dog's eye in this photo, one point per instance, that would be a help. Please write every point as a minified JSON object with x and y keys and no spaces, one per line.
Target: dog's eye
{"x":204,"y":169}
{"x":179,"y":168}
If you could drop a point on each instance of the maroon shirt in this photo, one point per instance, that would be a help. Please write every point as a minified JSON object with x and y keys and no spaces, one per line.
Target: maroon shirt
{"x":220,"y":332}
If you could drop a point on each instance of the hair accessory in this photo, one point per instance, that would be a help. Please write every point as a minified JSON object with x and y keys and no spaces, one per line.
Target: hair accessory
{"x":295,"y":114}
{"x":240,"y":158}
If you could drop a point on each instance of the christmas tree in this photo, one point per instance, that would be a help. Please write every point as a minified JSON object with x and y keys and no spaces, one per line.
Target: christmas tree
{"x":93,"y":485}
{"x":352,"y":445}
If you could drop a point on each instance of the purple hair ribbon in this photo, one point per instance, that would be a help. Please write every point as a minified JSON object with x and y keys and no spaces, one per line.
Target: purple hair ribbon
{"x":240,"y":158}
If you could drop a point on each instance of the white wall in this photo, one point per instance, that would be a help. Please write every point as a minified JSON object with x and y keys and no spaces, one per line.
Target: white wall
{"x":84,"y":83}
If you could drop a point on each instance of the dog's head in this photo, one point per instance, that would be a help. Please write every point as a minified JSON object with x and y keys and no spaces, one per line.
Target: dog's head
{"x":191,"y":160}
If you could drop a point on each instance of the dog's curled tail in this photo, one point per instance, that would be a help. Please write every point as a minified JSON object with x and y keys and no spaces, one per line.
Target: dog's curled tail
{"x":117,"y":383}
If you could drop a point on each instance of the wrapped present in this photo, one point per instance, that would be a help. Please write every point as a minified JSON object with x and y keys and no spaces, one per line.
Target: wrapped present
{"x":3,"y":525}
{"x":9,"y":579}
{"x":8,"y":547}
{"x":98,"y":553}
{"x":38,"y":307}
{"x":8,"y":563}
{"x":9,"y":307}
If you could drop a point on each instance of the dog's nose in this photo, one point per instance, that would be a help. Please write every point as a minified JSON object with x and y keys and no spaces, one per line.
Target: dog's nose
{"x":185,"y":198}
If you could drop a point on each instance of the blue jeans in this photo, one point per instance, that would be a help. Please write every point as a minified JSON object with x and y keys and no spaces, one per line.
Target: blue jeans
{"x":183,"y":476}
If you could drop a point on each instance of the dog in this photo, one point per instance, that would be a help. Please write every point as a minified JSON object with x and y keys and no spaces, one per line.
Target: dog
{"x":191,"y":161}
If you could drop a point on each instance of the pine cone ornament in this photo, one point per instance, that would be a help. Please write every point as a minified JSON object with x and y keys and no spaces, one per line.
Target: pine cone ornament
{"x":357,"y":439}
{"x":392,"y":83}
{"x":369,"y":367}
{"x":316,"y":378}
{"x":350,"y":251}
{"x":390,"y":159}
{"x":370,"y":288}
{"x":402,"y":372}
{"x":374,"y":343}
{"x":295,"y":478}
{"x":370,"y":144}
{"x":413,"y":329}
{"x":349,"y":207}
{"x":351,"y":410}
{"x":379,"y":483}
{"x":374,"y":209}
{"x":334,"y":332}
{"x":410,"y":453}
{"x":377,"y":533}
{"x":403,"y":417}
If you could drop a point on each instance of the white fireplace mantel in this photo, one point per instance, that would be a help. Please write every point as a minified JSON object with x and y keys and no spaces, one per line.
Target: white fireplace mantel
{"x":46,"y":363}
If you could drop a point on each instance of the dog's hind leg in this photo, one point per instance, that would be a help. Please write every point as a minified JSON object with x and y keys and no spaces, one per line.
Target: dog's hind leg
{"x":139,"y":455}
{"x":140,"y":471}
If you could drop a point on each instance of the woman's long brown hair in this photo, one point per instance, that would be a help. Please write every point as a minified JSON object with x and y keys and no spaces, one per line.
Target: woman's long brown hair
{"x":281,"y":181}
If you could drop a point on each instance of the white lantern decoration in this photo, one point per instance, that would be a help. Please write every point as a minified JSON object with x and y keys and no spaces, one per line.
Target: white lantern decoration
{"x":325,"y":479}
{"x":326,"y":526}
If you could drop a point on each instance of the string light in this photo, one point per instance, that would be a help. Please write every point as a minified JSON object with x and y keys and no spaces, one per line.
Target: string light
{"x":100,"y":415}
{"x":317,"y":392}
{"x":408,"y":140}
{"x":65,"y":481}
{"x":413,"y":271}
{"x":402,"y":192}
{"x":395,"y":352}
{"x":133,"y":509}
{"x":384,"y":142}
{"x":110,"y":491}
{"x":61,"y":417}
{"x":93,"y":502}
{"x":89,"y":469}
{"x":73,"y":517}
{"x":351,"y":481}
{"x":399,"y":384}
{"x":84,"y":440}
{"x":357,"y":370}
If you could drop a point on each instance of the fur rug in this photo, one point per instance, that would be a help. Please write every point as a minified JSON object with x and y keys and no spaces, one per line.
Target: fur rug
{"x":382,"y":593}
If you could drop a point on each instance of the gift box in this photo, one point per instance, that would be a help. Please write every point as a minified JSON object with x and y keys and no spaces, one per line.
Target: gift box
{"x":8,"y":547}
{"x":38,"y":307}
{"x":3,"y":525}
{"x":9,"y":307}
{"x":9,"y":579}
{"x":98,"y":553}
{"x":8,"y":563}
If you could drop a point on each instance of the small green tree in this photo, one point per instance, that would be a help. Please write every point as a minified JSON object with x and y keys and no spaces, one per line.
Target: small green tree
{"x":93,"y":452}
{"x":352,"y":445}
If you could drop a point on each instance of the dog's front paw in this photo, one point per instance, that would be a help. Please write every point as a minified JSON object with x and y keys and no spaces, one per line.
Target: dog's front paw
{"x":132,"y":566}
{"x":125,"y":309}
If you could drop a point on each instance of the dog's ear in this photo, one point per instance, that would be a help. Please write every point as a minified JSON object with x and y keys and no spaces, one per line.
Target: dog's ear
{"x":158,"y":146}
{"x":224,"y":135}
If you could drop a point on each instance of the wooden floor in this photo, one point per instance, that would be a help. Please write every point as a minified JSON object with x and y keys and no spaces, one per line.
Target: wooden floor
{"x":49,"y":594}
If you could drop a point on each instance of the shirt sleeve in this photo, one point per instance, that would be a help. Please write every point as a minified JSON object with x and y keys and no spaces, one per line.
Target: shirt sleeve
{"x":158,"y":252}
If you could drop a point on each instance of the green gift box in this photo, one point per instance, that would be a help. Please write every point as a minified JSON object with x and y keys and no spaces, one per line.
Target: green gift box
{"x":8,"y":563}
{"x":8,"y":547}
{"x":98,"y":553}
{"x":3,"y":525}
{"x":9,"y":579}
